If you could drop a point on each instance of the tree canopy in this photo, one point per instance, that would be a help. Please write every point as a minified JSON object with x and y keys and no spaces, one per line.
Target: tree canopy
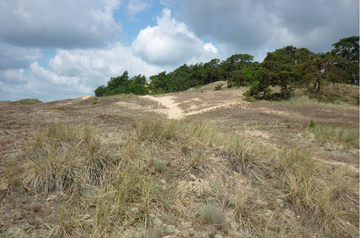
{"x":288,"y":68}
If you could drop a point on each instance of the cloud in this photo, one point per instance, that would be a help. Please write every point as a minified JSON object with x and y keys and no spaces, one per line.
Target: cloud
{"x":13,"y":77}
{"x":136,"y":6}
{"x":62,"y":24}
{"x":16,"y":57}
{"x":73,"y":73}
{"x":171,"y":43}
{"x":260,"y":26}
{"x":42,"y":84}
{"x":98,"y":65}
{"x":76,"y":72}
{"x":169,"y":3}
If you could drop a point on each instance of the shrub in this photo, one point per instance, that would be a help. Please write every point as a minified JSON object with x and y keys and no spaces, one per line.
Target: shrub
{"x":313,"y":124}
{"x":101,"y":91}
{"x":219,"y":87}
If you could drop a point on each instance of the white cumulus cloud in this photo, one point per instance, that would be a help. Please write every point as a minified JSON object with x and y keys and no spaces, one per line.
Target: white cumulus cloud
{"x":73,"y":73}
{"x":171,"y":43}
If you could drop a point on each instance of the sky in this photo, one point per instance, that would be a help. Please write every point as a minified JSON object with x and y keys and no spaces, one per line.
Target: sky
{"x":54,"y":50}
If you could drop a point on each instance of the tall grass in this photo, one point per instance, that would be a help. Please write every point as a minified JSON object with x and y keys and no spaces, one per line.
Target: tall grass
{"x":346,"y":137}
{"x":65,"y":159}
{"x":329,"y":199}
{"x":170,"y":168}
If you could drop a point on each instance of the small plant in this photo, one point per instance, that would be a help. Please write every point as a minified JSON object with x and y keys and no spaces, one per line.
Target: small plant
{"x":211,"y":214}
{"x":219,"y":87}
{"x":94,"y":103}
{"x":159,"y":165}
{"x":313,"y":124}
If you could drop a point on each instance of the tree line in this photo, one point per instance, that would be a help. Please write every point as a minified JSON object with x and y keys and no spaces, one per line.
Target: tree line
{"x":288,"y":67}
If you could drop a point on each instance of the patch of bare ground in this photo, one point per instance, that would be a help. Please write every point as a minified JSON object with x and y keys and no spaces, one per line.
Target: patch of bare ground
{"x":127,"y":166}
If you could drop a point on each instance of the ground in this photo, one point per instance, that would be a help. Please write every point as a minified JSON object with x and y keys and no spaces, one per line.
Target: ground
{"x":279,"y":125}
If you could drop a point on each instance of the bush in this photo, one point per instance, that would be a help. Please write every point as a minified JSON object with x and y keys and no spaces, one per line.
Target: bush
{"x":160,"y":91}
{"x":313,"y":124}
{"x":219,"y":87}
{"x":101,"y":91}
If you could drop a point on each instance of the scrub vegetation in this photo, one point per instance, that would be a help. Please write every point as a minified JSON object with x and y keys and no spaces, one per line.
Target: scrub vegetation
{"x":288,"y":68}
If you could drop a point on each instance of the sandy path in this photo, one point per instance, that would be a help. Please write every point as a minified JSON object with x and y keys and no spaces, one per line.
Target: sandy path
{"x":173,"y":111}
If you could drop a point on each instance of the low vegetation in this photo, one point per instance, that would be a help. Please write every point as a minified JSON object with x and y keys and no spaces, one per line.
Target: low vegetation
{"x":29,"y":101}
{"x":170,"y":171}
{"x":348,"y":138}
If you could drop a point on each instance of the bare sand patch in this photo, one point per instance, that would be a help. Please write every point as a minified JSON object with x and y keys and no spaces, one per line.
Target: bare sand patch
{"x":83,"y":98}
{"x":257,"y":133}
{"x":173,"y":111}
{"x":179,"y":106}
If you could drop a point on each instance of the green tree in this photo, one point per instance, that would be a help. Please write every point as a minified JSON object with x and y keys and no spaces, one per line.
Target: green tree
{"x":348,"y":48}
{"x":211,"y":69}
{"x":320,"y":72}
{"x":237,"y":64}
{"x":139,"y":79}
{"x":159,"y":82}
{"x":115,"y":82}
{"x":100,"y":91}
{"x":276,"y":69}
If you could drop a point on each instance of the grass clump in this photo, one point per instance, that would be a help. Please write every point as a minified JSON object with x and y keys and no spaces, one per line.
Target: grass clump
{"x":346,"y":137}
{"x":64,"y":158}
{"x":29,"y":101}
{"x":211,"y":214}
{"x":176,"y":130}
{"x":327,"y":199}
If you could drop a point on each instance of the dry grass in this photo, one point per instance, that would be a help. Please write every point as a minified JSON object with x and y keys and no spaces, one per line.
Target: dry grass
{"x":304,"y":100}
{"x":166,"y":170}
{"x":348,"y":138}
{"x":209,"y":86}
{"x":64,"y":159}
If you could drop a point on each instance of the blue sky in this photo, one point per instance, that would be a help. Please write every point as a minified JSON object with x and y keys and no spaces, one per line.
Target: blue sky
{"x":53,"y":50}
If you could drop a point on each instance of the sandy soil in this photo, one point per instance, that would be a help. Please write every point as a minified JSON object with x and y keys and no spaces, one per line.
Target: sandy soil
{"x":172,"y":110}
{"x":177,"y":108}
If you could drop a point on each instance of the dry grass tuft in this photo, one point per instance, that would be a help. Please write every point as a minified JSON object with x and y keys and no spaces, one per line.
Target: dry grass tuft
{"x":64,"y":159}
